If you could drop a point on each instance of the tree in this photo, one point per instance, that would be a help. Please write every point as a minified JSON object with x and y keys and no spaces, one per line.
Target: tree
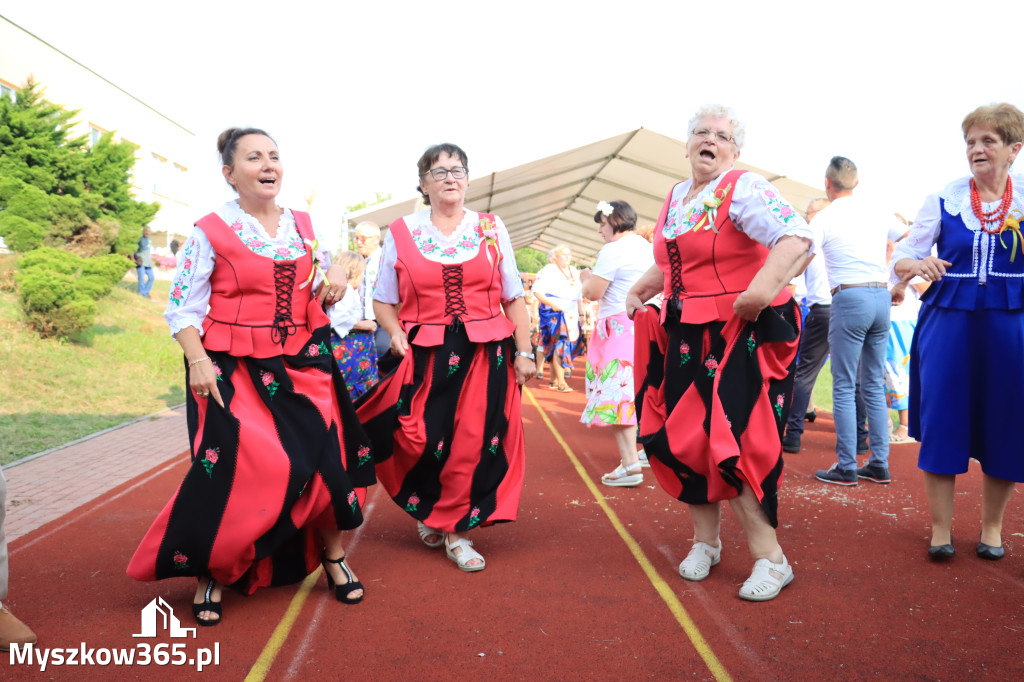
{"x":380,"y":199}
{"x":530,"y":260}
{"x":68,"y":208}
{"x":72,"y":196}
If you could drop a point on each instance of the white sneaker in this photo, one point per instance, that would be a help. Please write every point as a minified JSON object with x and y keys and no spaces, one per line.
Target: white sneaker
{"x":623,"y":477}
{"x":644,"y":462}
{"x":697,"y":564}
{"x":767,"y":580}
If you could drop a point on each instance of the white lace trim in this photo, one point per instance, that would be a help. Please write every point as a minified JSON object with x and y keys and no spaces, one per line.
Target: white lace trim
{"x":956,"y":199}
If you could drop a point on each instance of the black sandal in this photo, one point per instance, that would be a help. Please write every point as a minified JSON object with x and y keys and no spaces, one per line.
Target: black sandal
{"x":207,"y":605}
{"x":342,"y":592}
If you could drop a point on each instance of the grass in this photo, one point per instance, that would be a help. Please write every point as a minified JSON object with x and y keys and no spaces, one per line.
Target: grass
{"x":126,"y":366}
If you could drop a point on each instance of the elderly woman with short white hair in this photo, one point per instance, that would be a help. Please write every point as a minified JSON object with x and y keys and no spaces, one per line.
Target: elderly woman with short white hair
{"x":725,"y":246}
{"x":557,"y":288}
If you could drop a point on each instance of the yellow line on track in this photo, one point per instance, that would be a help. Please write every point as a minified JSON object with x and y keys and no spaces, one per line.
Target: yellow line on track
{"x":663,"y":589}
{"x":262,"y":666}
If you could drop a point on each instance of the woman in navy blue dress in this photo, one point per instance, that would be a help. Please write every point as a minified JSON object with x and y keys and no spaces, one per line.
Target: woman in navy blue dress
{"x":966,"y":366}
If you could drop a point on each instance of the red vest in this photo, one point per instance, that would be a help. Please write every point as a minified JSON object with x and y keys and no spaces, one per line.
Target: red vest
{"x":256,"y":306}
{"x":706,"y":270}
{"x":434,"y":294}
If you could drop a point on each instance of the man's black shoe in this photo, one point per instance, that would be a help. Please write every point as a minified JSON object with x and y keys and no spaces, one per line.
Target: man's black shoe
{"x":791,"y":443}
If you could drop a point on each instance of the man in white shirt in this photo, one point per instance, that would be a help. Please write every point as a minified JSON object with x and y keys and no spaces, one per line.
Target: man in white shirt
{"x":367,"y":237}
{"x":851,"y":235}
{"x":814,"y":349}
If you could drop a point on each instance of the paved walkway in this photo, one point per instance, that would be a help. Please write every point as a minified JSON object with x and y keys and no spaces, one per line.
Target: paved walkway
{"x":44,"y":487}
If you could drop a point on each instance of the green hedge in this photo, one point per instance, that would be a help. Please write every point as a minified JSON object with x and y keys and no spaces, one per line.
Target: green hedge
{"x":59,"y":289}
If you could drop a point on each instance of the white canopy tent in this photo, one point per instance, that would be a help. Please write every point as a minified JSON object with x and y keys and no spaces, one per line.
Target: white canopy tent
{"x":552,"y":200}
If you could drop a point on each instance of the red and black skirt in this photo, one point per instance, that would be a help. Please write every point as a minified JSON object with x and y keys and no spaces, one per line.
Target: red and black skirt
{"x":283,"y":457}
{"x":715,"y":406}
{"x":447,"y":432}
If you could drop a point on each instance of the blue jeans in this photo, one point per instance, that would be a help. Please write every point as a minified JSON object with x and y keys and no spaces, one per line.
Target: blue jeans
{"x":813,"y":354}
{"x":145,"y":286}
{"x":857,"y":335}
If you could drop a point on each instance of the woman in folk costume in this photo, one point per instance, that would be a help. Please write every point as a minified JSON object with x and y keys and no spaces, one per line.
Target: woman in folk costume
{"x":966,"y":364}
{"x":718,"y":376}
{"x":446,"y":424}
{"x":558,"y":290}
{"x":277,"y":450}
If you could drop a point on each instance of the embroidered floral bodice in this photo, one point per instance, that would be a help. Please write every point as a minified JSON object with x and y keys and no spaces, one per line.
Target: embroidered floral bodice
{"x":190,"y":288}
{"x":758,"y":210}
{"x":460,"y":246}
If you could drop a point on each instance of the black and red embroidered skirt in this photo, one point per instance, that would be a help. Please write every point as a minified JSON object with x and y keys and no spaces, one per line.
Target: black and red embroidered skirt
{"x":447,"y":433}
{"x":715,"y":406}
{"x":284,"y":457}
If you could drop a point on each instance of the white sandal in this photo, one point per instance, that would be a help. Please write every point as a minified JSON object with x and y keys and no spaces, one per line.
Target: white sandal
{"x":762,"y":585}
{"x":426,"y":531}
{"x":697,"y":564}
{"x":466,"y":554}
{"x":623,"y":477}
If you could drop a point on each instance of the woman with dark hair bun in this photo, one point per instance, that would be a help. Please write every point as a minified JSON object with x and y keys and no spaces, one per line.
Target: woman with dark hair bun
{"x":277,"y":451}
{"x":446,"y":424}
{"x":623,"y":259}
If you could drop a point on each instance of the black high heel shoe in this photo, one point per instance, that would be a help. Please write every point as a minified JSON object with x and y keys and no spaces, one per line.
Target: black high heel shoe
{"x":342,"y":592}
{"x":207,"y":605}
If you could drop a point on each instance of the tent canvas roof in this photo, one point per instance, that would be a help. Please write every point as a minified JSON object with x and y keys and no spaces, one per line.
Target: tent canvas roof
{"x":552,"y":200}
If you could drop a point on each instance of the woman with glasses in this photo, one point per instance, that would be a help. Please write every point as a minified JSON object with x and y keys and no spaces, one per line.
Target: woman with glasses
{"x":446,"y":424}
{"x":966,"y":364}
{"x":277,"y":450}
{"x":725,"y":247}
{"x":558,"y":288}
{"x":624,"y":257}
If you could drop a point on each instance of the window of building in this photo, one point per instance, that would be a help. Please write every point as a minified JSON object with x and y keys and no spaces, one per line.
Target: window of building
{"x":95,"y":133}
{"x":159,"y":165}
{"x":6,"y":90}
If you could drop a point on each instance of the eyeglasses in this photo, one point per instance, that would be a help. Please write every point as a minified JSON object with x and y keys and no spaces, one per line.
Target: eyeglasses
{"x":439,"y":174}
{"x":712,"y":135}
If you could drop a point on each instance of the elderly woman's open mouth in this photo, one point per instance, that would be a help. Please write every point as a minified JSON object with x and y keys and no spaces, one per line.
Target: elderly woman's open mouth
{"x":707,"y":154}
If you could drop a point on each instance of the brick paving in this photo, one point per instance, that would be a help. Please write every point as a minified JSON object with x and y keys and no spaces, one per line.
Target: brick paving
{"x":46,"y":486}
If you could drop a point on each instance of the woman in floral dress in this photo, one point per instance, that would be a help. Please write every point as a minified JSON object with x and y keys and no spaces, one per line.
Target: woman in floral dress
{"x":725,"y":246}
{"x":277,"y":451}
{"x":351,"y":334}
{"x":446,"y":424}
{"x":557,"y":288}
{"x":623,"y":259}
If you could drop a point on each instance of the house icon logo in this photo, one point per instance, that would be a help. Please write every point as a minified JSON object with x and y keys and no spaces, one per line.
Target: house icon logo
{"x":158,"y":611}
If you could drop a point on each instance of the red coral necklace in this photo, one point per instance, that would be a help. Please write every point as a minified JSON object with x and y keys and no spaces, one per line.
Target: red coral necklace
{"x":997,"y":216}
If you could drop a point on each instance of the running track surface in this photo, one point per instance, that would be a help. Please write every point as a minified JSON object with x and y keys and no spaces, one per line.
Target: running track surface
{"x":583,"y":587}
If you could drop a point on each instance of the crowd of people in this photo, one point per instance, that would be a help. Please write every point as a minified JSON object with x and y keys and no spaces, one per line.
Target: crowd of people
{"x":313,"y":375}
